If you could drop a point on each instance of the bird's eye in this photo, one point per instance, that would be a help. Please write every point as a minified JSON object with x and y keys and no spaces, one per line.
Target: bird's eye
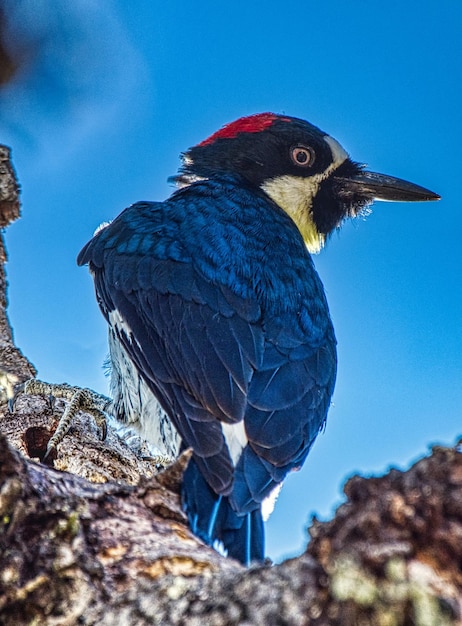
{"x":302,"y":156}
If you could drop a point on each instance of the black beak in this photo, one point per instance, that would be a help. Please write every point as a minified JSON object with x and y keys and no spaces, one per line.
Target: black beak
{"x":382,"y":187}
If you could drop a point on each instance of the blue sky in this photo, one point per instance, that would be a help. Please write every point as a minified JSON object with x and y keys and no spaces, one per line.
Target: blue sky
{"x":118,"y":90}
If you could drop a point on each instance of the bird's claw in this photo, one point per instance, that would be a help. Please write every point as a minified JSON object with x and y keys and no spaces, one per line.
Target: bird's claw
{"x":103,"y":428}
{"x":51,"y":401}
{"x":160,"y":461}
{"x":46,"y":458}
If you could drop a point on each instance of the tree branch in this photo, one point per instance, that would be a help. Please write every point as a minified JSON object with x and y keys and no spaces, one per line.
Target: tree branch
{"x":106,"y":541}
{"x":15,"y":367}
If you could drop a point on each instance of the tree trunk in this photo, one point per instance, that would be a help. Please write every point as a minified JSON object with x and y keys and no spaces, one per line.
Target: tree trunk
{"x":106,"y":541}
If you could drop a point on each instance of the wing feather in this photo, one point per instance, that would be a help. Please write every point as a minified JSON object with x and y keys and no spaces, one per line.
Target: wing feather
{"x":209,"y":349}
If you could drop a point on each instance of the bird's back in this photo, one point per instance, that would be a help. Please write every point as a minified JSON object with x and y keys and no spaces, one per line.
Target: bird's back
{"x":214,"y":298}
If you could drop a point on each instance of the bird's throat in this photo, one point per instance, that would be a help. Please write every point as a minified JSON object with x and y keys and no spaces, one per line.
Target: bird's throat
{"x":295,"y":196}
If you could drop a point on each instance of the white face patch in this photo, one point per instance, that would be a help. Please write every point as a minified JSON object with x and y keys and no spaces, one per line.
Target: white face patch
{"x":295,"y":194}
{"x":338,"y":153}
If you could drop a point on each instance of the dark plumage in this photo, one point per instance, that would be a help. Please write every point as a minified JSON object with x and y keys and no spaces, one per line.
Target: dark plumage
{"x":213,"y":297}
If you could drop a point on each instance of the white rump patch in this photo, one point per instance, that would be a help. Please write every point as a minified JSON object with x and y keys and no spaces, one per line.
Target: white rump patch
{"x":236,"y":439}
{"x":268,"y":504}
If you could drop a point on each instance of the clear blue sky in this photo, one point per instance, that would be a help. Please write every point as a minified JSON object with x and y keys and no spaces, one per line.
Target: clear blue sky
{"x":121,"y":88}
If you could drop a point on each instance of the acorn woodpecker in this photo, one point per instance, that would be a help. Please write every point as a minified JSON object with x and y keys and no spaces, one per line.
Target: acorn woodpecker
{"x":219,"y":330}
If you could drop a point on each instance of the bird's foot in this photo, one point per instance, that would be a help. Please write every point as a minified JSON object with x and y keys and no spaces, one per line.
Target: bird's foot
{"x":78,"y":399}
{"x":140,"y":447}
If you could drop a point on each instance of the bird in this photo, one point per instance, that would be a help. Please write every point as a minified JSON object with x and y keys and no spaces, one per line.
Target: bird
{"x":220,"y":335}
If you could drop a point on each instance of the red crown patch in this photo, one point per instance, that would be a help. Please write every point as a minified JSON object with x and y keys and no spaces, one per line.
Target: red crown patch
{"x":249,"y":124}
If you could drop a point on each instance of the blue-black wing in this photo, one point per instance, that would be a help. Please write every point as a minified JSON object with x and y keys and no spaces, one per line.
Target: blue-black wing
{"x":221,"y":340}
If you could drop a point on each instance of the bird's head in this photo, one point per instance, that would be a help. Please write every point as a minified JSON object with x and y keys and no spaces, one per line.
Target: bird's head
{"x":301,"y":168}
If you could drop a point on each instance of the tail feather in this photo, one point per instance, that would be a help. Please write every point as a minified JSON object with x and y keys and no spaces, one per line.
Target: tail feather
{"x":212,"y":518}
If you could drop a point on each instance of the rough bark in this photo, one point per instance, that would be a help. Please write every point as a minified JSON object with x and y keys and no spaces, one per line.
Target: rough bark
{"x":15,"y":367}
{"x":106,"y":542}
